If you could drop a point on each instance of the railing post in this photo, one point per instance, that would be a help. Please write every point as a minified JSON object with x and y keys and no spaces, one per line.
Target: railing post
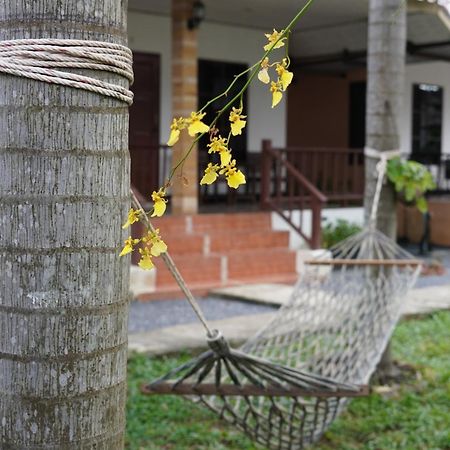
{"x":316,"y":232}
{"x":265,"y":173}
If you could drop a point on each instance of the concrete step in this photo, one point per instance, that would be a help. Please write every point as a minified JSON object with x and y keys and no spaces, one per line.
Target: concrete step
{"x":194,"y":269}
{"x":217,"y":250}
{"x":249,"y":239}
{"x":211,"y":242}
{"x":234,"y":221}
{"x":260,"y":263}
{"x":222,"y":269}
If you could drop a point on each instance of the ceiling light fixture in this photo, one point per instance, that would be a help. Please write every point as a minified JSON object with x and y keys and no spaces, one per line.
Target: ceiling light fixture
{"x":197,"y":16}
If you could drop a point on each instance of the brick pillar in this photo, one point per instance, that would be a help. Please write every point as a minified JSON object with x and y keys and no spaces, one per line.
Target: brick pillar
{"x":184,"y":101}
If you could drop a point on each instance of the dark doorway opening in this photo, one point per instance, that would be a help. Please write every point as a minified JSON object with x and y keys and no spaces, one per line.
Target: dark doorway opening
{"x":357,"y":119}
{"x":214,"y":77}
{"x":144,"y":123}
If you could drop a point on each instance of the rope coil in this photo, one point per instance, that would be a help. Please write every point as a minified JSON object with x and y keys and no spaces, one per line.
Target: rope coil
{"x":40,"y":59}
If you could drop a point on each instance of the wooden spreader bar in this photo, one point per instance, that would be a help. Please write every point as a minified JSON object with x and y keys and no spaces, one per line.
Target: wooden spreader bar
{"x":168,"y":388}
{"x":363,"y":262}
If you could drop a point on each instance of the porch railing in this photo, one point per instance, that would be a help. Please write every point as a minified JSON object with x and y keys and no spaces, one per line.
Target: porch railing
{"x":287,"y":191}
{"x":336,"y":172}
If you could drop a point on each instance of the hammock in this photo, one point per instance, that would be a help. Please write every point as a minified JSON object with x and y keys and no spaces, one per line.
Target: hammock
{"x":287,"y":384}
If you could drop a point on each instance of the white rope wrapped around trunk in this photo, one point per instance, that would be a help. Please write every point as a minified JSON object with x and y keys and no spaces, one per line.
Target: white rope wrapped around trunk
{"x":384,"y":157}
{"x":45,"y":60}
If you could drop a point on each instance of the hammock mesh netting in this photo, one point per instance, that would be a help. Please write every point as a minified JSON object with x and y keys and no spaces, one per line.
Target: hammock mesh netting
{"x":329,"y":336}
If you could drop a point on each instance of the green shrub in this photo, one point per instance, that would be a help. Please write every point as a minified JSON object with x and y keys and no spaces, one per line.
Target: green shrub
{"x":412,"y":180}
{"x":332,"y":233}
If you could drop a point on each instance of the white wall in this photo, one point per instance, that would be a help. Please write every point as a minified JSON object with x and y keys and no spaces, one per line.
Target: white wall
{"x":331,"y":215}
{"x":431,"y":73}
{"x":151,"y":33}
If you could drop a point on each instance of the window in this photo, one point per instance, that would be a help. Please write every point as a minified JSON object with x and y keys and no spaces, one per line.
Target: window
{"x":427,"y":123}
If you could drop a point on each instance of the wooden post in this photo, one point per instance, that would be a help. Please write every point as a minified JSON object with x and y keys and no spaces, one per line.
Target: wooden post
{"x":265,"y":173}
{"x":184,"y":101}
{"x":316,"y":223}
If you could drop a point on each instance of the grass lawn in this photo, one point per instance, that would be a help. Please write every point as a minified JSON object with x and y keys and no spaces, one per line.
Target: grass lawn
{"x":413,"y":416}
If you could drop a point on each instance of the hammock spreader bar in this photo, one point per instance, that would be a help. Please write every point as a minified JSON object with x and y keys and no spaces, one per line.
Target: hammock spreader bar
{"x":246,"y":390}
{"x":236,"y":373}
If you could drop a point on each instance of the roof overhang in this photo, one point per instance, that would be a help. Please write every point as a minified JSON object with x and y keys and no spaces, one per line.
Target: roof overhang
{"x":332,"y":34}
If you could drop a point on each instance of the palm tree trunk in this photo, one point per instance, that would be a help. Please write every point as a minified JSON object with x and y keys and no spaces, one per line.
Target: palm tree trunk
{"x":64,"y":184}
{"x":385,"y":84}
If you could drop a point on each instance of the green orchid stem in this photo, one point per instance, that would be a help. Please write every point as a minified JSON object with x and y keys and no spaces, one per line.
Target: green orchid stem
{"x":183,"y":158}
{"x":253,"y":72}
{"x":224,"y":93}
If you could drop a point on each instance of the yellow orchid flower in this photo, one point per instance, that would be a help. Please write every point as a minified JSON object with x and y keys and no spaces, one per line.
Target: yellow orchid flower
{"x":174,"y":137}
{"x":273,"y":37}
{"x":146,"y":261}
{"x":210,"y":174}
{"x":233,"y":175}
{"x":159,"y":203}
{"x":285,"y":77}
{"x":130,"y":243}
{"x":236,"y":179}
{"x":157,"y":245}
{"x":175,"y":127}
{"x":219,"y":145}
{"x":263,"y":74}
{"x":225,"y":158}
{"x":196,"y":125}
{"x":133,"y":217}
{"x":277,"y":95}
{"x":237,"y":124}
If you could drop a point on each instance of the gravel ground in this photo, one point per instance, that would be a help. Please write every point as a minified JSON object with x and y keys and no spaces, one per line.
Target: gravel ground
{"x":146,"y":316}
{"x":159,"y":314}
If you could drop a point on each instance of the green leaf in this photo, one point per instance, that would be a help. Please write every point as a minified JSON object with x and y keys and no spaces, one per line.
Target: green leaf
{"x":422,"y":205}
{"x":412,"y":179}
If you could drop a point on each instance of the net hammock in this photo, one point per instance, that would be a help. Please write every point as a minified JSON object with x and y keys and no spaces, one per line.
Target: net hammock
{"x":286,"y":385}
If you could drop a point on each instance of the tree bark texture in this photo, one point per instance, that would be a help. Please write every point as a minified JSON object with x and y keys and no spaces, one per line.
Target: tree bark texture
{"x":64,"y":191}
{"x":385,"y":85}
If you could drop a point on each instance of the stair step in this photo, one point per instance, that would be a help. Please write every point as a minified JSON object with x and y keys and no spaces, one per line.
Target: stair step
{"x":184,"y":244}
{"x":217,"y":250}
{"x":237,"y":221}
{"x":220,"y":269}
{"x":221,"y":241}
{"x":193,"y":268}
{"x":170,"y":224}
{"x":261,"y":263}
{"x":250,"y":239}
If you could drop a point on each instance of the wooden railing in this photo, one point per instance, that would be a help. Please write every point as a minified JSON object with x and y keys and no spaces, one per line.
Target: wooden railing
{"x":287,"y":191}
{"x":336,"y":172}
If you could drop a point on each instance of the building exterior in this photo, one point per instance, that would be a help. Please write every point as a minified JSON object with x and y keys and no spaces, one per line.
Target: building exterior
{"x":178,"y":68}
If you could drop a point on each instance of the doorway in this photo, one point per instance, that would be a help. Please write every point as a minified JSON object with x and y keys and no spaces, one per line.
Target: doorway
{"x":357,"y":119}
{"x":213,"y":78}
{"x":144,"y":123}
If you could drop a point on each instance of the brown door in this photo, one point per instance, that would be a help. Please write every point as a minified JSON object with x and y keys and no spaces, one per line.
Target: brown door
{"x":144,"y":123}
